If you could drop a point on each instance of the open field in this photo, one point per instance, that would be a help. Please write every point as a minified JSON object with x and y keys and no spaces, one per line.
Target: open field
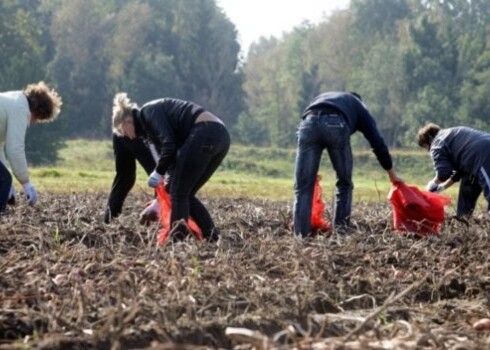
{"x":69,"y":282}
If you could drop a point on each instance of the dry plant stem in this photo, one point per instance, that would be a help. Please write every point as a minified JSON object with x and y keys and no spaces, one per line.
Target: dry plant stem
{"x":391,"y":299}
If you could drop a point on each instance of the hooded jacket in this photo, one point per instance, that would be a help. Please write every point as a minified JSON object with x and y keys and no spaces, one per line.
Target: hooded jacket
{"x":14,"y":120}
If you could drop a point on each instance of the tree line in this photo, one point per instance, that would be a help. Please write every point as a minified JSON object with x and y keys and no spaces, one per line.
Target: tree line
{"x":411,"y":60}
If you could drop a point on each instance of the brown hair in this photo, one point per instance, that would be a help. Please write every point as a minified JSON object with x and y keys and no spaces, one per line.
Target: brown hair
{"x":44,"y":103}
{"x":427,"y":133}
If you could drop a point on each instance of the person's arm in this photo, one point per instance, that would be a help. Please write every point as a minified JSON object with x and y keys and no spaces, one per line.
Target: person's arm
{"x":161,"y":133}
{"x":144,"y":155}
{"x":18,"y":122}
{"x":125,"y":165}
{"x":394,"y":177}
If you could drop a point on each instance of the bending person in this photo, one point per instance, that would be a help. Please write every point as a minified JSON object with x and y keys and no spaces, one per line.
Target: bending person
{"x":37,"y":103}
{"x":189,"y":140}
{"x":327,"y":123}
{"x":458,"y":153}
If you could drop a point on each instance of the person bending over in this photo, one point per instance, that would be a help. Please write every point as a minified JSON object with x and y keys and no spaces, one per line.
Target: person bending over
{"x":458,"y":153}
{"x":327,"y":123}
{"x":37,"y":103}
{"x":189,"y":140}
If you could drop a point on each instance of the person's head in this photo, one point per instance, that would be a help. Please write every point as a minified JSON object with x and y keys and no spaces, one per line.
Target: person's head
{"x":44,"y":103}
{"x":122,"y":116}
{"x":426,"y":135}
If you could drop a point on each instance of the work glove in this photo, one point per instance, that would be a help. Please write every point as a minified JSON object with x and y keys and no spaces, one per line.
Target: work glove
{"x":433,"y":187}
{"x":30,"y":192}
{"x":150,"y":213}
{"x":154,"y":179}
{"x":11,"y":197}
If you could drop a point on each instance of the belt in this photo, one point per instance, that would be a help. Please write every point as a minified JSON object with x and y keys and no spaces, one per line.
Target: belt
{"x":320,"y":113}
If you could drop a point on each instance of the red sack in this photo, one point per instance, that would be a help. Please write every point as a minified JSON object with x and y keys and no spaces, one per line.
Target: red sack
{"x":165,"y":209}
{"x":416,"y":211}
{"x":318,"y":221}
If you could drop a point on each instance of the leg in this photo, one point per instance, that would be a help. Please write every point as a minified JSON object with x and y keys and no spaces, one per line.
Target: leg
{"x":484,"y":180}
{"x":5,"y":184}
{"x":469,"y":191}
{"x":342,"y":163}
{"x":198,"y":158}
{"x":198,"y":211}
{"x":308,"y":156}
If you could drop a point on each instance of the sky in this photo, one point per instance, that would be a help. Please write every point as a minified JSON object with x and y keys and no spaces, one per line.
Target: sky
{"x":256,"y":18}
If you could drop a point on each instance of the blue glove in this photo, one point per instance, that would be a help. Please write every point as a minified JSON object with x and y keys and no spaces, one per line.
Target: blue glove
{"x":30,"y":192}
{"x":154,"y":179}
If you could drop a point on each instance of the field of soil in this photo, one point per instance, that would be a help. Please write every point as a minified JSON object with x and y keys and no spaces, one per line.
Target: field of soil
{"x":68,"y":281}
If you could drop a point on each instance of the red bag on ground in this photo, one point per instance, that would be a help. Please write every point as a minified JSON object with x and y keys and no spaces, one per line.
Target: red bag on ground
{"x":165,"y":209}
{"x":417,"y":211}
{"x":318,"y":221}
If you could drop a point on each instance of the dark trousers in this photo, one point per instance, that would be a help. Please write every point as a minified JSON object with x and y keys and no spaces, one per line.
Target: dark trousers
{"x":470,"y":188}
{"x":469,"y":191}
{"x":316,"y":133}
{"x":198,"y":158}
{"x":126,"y":153}
{"x":5,"y":184}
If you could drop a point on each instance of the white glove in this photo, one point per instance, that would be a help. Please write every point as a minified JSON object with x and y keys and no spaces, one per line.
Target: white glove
{"x":150,"y":213}
{"x":433,"y":187}
{"x":154,"y":179}
{"x":30,"y":192}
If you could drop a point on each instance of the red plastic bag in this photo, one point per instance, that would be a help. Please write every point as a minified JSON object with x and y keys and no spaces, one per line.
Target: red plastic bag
{"x":318,"y":221}
{"x":417,"y":211}
{"x":165,"y":209}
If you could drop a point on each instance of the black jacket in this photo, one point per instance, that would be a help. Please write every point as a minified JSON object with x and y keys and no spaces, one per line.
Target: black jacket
{"x":166,"y":123}
{"x":357,"y":117}
{"x":126,"y":153}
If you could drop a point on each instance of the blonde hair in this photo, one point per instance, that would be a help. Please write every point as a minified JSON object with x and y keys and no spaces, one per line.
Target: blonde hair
{"x":122,"y":108}
{"x":44,"y":103}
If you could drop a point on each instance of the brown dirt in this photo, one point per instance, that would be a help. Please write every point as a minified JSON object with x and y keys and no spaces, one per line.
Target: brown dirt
{"x":67,"y":281}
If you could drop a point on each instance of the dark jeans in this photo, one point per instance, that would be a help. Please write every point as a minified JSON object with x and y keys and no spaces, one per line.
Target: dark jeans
{"x":199,"y":157}
{"x":470,"y":189}
{"x":5,"y":184}
{"x":316,"y":133}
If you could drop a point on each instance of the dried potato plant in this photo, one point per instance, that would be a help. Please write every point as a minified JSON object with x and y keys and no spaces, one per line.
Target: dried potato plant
{"x":69,"y":281}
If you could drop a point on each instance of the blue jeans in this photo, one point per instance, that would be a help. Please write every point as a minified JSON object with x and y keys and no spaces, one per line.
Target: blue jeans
{"x":199,"y":157}
{"x":5,"y":184}
{"x":316,"y":133}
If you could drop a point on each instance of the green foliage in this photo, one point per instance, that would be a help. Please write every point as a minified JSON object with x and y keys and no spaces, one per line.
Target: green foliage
{"x":413,"y":61}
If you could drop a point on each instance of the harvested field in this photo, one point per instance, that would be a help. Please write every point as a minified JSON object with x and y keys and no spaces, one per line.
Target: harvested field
{"x":67,"y":281}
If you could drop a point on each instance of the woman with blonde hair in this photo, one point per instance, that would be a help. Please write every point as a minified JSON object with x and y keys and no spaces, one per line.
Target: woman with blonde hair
{"x":37,"y":103}
{"x":191,"y":143}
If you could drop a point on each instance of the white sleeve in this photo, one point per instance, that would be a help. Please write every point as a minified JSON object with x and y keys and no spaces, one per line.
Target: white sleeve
{"x":15,"y":144}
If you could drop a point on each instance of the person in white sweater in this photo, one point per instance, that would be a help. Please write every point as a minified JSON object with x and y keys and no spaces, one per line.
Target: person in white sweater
{"x":37,"y":103}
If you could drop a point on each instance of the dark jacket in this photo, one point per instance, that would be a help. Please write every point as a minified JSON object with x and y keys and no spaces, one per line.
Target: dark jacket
{"x":458,"y":151}
{"x":126,"y":153}
{"x":166,"y":123}
{"x":357,"y":117}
